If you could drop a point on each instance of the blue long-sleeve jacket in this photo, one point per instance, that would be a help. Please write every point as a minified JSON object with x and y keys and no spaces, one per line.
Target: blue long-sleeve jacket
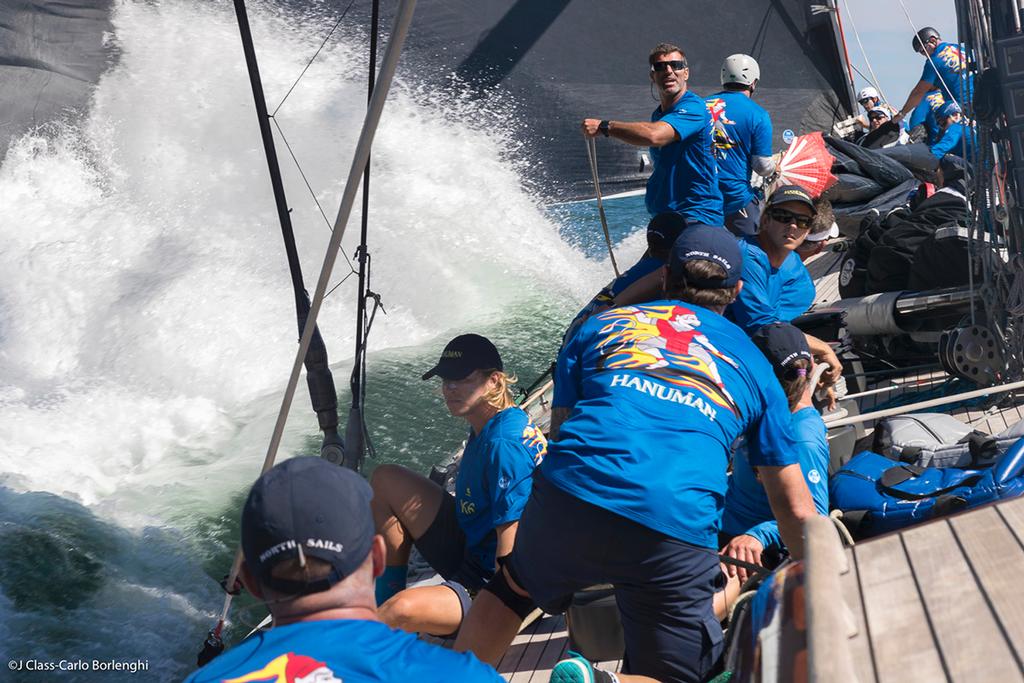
{"x":952,"y":139}
{"x":747,"y":510}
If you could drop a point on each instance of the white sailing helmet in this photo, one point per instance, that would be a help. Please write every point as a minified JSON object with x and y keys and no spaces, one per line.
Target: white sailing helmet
{"x":867,"y":92}
{"x":742,"y":69}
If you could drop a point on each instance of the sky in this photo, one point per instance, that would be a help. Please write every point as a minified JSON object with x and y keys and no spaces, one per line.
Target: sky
{"x":886,"y":35}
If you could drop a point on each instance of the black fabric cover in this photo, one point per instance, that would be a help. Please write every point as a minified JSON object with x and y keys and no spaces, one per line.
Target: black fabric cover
{"x":844,"y":164}
{"x":885,"y":134}
{"x":917,"y":158}
{"x":852,"y":189}
{"x":941,"y":261}
{"x":887,"y":172}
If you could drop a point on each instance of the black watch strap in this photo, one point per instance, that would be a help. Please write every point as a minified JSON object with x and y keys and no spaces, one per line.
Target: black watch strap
{"x":603,"y":127}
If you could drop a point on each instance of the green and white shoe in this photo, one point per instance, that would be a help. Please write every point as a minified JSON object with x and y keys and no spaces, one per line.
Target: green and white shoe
{"x":576,"y":669}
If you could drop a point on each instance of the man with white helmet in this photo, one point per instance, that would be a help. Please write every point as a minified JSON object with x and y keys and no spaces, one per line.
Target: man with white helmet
{"x":742,"y":142}
{"x":869,"y":98}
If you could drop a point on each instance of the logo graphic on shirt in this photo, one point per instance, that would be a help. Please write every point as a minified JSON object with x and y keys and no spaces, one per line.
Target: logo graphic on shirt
{"x":664,"y":341}
{"x":466,"y":505}
{"x":935,"y":99}
{"x":951,"y":56}
{"x":503,"y":482}
{"x":813,"y":476}
{"x":721,"y":141}
{"x":535,"y":442}
{"x":290,"y":668}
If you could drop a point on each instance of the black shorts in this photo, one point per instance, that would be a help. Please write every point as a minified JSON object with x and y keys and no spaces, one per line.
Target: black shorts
{"x":663,"y":586}
{"x":443,"y":546}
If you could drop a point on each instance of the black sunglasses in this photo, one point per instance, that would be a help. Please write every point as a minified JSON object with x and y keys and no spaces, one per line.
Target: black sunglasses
{"x":676,"y":64}
{"x":788,"y":217}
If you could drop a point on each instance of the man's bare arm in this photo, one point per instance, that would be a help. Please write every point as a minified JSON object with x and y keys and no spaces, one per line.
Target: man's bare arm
{"x":791,"y":503}
{"x":639,"y":133}
{"x":914,"y":98}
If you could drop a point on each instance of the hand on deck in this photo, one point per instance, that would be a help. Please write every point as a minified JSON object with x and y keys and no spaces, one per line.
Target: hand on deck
{"x":746,"y":549}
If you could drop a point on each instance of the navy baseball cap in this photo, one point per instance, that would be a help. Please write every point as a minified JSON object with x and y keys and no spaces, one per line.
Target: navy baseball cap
{"x":307,"y":507}
{"x":664,"y":229}
{"x":782,"y":344}
{"x":707,"y":243}
{"x":792,"y":193}
{"x":463,"y":355}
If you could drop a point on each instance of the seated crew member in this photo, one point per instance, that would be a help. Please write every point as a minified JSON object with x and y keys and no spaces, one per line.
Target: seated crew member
{"x":742,"y":142}
{"x":648,"y":402}
{"x":956,"y":131}
{"x":869,"y":98}
{"x":749,"y":530}
{"x":924,"y":116}
{"x":775,"y":281}
{"x":459,"y":536}
{"x":944,"y":66}
{"x":823,"y":229}
{"x":662,"y":232}
{"x":685,"y":178}
{"x":311,"y":555}
{"x":876,"y":117}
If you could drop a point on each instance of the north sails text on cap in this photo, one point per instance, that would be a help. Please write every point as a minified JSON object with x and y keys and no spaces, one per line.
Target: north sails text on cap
{"x":707,"y":243}
{"x":307,"y":507}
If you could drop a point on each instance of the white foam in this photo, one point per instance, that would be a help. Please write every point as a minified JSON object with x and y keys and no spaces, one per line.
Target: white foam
{"x":146,"y":314}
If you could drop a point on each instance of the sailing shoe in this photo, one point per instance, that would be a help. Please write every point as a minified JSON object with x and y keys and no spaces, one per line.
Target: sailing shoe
{"x":576,"y":669}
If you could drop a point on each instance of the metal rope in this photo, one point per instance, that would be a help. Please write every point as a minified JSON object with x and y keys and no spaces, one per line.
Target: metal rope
{"x":592,"y":155}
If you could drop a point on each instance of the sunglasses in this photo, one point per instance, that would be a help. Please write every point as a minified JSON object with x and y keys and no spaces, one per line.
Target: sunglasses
{"x":877,"y":117}
{"x":676,"y":64}
{"x":788,"y":217}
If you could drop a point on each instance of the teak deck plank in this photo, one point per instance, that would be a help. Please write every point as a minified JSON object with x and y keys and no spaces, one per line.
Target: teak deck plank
{"x":860,"y":645}
{"x":897,"y":624}
{"x":997,"y":559}
{"x":956,"y":606}
{"x":542,"y":632}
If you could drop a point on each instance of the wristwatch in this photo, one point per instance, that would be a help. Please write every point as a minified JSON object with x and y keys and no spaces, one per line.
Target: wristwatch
{"x":603,"y":127}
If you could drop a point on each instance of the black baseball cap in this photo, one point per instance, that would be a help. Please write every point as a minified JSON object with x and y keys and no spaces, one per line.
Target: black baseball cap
{"x":792,"y":193}
{"x":782,"y":344}
{"x":463,"y":355}
{"x":664,"y":229}
{"x":308,"y":507}
{"x":707,"y":243}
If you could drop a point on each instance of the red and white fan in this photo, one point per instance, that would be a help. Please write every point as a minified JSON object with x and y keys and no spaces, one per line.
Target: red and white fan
{"x":807,"y":163}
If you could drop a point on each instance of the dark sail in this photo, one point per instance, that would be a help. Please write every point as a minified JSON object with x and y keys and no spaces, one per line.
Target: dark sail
{"x":562,"y":60}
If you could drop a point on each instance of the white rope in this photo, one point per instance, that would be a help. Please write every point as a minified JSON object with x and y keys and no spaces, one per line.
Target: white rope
{"x":373,"y":113}
{"x":592,"y":155}
{"x":856,"y":34}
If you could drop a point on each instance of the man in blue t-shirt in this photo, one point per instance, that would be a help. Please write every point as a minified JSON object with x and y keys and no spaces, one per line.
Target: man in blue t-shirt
{"x":742,"y":142}
{"x":662,"y":232}
{"x":944,"y":69}
{"x":648,"y":402}
{"x":685,"y":177}
{"x":311,"y":555}
{"x":957,"y":137}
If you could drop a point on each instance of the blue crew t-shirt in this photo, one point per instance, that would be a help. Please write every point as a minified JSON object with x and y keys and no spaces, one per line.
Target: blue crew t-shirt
{"x":769,"y":294}
{"x":685,"y":178}
{"x":944,"y":69}
{"x":495,"y":479}
{"x":645,"y":266}
{"x":924,"y":114}
{"x":349,"y":650}
{"x":742,"y":129}
{"x":747,"y":510}
{"x":658,"y":393}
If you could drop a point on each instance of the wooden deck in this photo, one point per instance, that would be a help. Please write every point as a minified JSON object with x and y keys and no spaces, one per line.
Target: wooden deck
{"x":936,"y":602}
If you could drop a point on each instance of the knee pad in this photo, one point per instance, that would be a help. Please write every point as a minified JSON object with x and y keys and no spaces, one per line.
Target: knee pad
{"x":499,"y":586}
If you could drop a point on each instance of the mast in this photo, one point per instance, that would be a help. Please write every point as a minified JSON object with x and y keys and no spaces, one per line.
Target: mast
{"x":318,"y":373}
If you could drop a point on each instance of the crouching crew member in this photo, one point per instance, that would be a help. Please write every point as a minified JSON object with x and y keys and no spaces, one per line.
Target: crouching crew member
{"x":648,"y":402}
{"x":684,"y":178}
{"x":662,"y":232}
{"x":311,"y":555}
{"x":749,"y":530}
{"x":742,"y":142}
{"x":460,"y":535}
